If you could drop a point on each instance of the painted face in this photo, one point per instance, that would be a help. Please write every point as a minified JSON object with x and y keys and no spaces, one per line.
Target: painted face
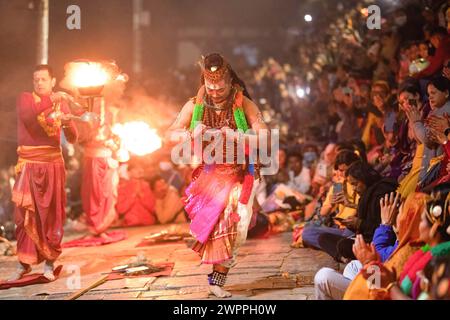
{"x":43,"y":83}
{"x":218,"y":92}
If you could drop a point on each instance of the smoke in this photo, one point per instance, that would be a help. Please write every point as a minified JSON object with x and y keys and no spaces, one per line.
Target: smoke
{"x":158,"y":112}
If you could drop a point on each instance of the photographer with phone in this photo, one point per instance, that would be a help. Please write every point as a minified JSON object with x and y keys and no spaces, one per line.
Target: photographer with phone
{"x":341,"y":199}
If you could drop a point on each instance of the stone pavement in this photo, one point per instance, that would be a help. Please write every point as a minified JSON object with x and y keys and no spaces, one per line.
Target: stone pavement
{"x":267,"y":269}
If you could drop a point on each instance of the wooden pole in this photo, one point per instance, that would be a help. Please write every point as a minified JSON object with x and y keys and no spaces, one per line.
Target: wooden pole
{"x":43,"y":31}
{"x":97,"y":283}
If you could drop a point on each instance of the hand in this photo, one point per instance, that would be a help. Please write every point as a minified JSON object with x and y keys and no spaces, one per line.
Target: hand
{"x":378,"y":102}
{"x":338,"y":198}
{"x":386,"y":276}
{"x":436,"y":136}
{"x":389,"y":208}
{"x":386,"y":159}
{"x":446,"y":72}
{"x":413,"y":114}
{"x":350,"y":223}
{"x":438,"y":123}
{"x":60,"y":96}
{"x":363,"y":252}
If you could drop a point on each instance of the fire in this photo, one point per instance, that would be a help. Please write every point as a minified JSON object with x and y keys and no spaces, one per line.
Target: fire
{"x":137,"y":137}
{"x":89,"y":74}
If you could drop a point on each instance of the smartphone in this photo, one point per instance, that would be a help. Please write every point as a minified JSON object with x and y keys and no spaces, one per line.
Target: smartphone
{"x":337,"y":188}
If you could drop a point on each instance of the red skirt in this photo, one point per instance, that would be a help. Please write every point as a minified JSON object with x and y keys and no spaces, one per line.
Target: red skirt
{"x":99,"y":193}
{"x":39,"y":197}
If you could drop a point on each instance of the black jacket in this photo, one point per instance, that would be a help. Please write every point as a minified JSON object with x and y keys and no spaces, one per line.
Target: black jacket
{"x":368,"y":213}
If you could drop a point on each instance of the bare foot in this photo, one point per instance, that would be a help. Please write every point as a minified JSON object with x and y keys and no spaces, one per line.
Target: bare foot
{"x":105,"y":236}
{"x":48,"y":271}
{"x":219,"y":292}
{"x":19,"y":273}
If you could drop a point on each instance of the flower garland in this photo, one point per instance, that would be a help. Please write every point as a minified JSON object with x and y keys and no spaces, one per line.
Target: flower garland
{"x":241,"y":123}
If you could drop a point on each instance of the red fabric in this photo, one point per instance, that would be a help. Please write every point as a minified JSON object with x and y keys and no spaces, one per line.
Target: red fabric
{"x":437,"y":61}
{"x":444,"y":175}
{"x":29,"y":131}
{"x":167,"y":271}
{"x":40,"y":200}
{"x":99,"y":194}
{"x":30,"y":279}
{"x":92,"y":241}
{"x":136,"y":203}
{"x":247,"y":188}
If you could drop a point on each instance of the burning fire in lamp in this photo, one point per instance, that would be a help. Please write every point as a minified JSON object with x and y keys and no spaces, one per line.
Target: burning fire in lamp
{"x":90,"y":79}
{"x":136,"y":138}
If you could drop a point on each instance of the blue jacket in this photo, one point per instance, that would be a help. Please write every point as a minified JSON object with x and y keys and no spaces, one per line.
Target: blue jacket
{"x":385,"y":241}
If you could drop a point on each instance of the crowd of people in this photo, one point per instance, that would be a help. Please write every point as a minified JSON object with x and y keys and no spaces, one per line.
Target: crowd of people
{"x":367,"y":181}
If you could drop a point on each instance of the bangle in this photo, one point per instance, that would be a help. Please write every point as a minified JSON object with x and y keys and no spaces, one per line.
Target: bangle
{"x":390,"y":286}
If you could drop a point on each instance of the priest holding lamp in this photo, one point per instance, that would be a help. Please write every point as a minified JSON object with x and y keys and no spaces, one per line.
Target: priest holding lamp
{"x":39,"y":195}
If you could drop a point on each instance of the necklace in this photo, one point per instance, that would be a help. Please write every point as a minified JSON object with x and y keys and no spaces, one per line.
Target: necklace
{"x":213,"y":106}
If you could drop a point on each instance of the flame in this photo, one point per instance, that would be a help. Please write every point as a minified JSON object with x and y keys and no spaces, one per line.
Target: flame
{"x":89,"y":74}
{"x":137,"y":137}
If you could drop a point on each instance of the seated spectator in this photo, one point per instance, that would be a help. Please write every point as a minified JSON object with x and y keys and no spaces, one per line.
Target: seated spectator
{"x":400,"y":275}
{"x":282,"y":176}
{"x":169,"y":206}
{"x":438,"y":280}
{"x":370,"y":186}
{"x":380,"y":108}
{"x":324,"y":169}
{"x":135,"y":202}
{"x":441,"y":42}
{"x":393,"y":243}
{"x":438,"y":93}
{"x":409,"y":96}
{"x":343,"y":202}
{"x":299,"y":175}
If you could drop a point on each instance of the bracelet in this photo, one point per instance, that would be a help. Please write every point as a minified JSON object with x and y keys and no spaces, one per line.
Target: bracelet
{"x":390,"y":286}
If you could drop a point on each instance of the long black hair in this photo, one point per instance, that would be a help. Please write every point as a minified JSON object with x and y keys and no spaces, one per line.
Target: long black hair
{"x":363,"y":172}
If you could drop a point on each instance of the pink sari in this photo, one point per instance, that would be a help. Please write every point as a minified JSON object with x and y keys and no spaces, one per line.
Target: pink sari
{"x":208,"y":197}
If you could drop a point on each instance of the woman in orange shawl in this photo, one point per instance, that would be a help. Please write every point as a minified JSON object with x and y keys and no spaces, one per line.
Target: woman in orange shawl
{"x":408,"y":235}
